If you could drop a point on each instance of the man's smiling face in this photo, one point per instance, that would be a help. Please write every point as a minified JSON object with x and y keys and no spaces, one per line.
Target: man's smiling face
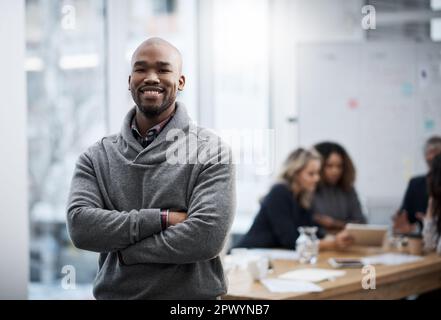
{"x":155,"y":77}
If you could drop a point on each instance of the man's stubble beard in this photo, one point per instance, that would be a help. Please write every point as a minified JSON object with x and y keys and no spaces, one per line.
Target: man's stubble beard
{"x":153,"y":112}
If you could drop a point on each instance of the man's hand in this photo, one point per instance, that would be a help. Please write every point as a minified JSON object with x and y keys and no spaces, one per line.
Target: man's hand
{"x":402,"y":224}
{"x":176,"y":217}
{"x":343,"y":240}
{"x":420,"y":216}
{"x":429,"y":213}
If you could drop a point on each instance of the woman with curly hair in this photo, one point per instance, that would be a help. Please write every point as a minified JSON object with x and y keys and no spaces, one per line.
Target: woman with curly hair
{"x":336,"y":202}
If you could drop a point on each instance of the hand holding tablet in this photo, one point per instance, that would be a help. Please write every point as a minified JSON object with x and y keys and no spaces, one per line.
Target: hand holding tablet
{"x":367,"y":234}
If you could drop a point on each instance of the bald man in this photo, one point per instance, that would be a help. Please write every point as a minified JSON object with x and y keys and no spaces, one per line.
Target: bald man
{"x":157,"y":223}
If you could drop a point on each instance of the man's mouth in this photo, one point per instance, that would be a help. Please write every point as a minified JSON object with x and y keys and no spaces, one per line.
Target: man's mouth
{"x":149,"y":92}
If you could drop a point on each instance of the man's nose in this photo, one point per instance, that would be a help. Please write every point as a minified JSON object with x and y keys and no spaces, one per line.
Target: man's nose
{"x":151,"y":77}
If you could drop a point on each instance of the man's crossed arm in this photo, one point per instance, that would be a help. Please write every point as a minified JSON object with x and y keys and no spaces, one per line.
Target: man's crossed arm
{"x":137,"y":235}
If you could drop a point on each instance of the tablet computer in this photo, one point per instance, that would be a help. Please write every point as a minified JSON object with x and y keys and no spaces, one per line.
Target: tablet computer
{"x":367,"y":234}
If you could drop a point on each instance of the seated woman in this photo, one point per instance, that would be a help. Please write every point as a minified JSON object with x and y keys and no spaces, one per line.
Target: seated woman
{"x":432,"y":220}
{"x":287,"y":207}
{"x":336,"y":202}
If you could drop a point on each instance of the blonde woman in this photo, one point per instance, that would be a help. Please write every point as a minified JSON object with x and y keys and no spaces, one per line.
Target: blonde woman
{"x":288,"y":206}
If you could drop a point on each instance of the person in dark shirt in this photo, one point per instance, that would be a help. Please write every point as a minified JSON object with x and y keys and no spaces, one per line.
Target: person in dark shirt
{"x":432,"y":220}
{"x":287,"y":207}
{"x":414,"y":206}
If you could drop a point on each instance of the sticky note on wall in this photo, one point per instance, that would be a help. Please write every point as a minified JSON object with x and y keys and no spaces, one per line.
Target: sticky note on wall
{"x":429,"y":124}
{"x":407,"y":89}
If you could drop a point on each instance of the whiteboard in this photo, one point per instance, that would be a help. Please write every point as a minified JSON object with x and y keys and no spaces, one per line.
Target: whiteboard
{"x":381,"y":101}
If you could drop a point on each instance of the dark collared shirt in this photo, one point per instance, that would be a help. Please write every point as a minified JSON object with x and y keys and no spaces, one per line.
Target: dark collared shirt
{"x":152,"y":133}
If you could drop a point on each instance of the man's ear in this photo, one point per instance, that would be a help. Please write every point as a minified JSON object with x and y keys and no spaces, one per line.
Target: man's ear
{"x":181,"y":83}
{"x":130,"y":78}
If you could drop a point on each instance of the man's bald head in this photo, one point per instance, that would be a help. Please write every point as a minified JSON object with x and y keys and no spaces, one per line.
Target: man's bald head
{"x":156,"y":77}
{"x":164,"y":45}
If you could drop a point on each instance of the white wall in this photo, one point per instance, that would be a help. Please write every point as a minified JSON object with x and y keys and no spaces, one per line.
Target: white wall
{"x":294,"y":22}
{"x":396,"y":110}
{"x":14,"y":264}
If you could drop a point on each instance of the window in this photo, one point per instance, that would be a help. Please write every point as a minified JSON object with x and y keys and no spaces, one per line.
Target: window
{"x":241,"y":95}
{"x":70,"y":79}
{"x":66,"y":114}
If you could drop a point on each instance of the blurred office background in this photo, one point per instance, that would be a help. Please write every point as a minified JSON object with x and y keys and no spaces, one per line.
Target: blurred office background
{"x":306,"y":69}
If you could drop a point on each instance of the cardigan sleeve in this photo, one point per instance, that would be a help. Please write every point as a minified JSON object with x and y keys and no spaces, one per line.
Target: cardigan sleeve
{"x":92,"y":227}
{"x":203,"y":235}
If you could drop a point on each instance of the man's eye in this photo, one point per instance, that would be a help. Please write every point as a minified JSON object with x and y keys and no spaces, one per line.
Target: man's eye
{"x":164,"y":70}
{"x":139,"y":70}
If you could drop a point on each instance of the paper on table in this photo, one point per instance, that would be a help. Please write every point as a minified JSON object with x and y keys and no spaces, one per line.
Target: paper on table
{"x":312,"y":274}
{"x":391,"y":259}
{"x":280,"y":285}
{"x":275,"y":254}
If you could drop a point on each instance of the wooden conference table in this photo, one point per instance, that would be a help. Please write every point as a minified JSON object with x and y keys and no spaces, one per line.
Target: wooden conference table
{"x":392,"y":282}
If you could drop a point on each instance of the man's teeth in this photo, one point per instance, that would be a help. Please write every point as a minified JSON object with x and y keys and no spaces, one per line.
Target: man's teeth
{"x":151,"y":92}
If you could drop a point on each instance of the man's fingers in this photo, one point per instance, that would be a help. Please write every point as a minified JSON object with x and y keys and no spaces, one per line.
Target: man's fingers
{"x":344,"y":239}
{"x":348,"y":239}
{"x":420,"y":216}
{"x":398,"y":215}
{"x":402,"y":218}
